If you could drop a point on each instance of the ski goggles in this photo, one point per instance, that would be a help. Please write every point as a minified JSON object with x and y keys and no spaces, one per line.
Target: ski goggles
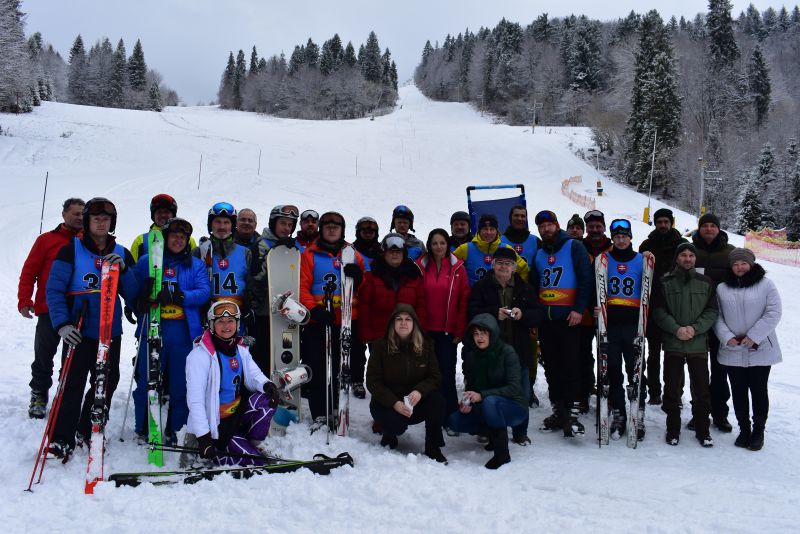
{"x":621,"y":226}
{"x":393,"y":242}
{"x":286,"y":210}
{"x":222,"y":208}
{"x":102,"y":207}
{"x":331,"y":221}
{"x":593,"y":215}
{"x":178,"y":226}
{"x":309,"y":214}
{"x":546,"y":216}
{"x":224,"y":308}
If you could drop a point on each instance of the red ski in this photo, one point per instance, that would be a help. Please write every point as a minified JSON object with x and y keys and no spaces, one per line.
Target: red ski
{"x":109,"y":280}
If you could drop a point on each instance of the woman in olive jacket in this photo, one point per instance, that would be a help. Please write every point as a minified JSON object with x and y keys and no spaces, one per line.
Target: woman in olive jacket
{"x":749,"y":311}
{"x":403,"y":378}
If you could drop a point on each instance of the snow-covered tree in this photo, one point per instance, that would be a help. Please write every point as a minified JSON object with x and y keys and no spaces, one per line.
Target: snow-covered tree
{"x":792,"y":176}
{"x":751,"y":209}
{"x":119,"y":77}
{"x":155,"y":98}
{"x":760,"y":86}
{"x":722,"y":46}
{"x":77,"y":72}
{"x":371,"y":63}
{"x":16,"y":80}
{"x":137,"y":68}
{"x":253,"y":62}
{"x":239,"y":79}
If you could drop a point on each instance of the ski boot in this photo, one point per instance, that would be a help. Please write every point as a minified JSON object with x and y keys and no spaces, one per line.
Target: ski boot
{"x":640,"y":432}
{"x":61,"y":449}
{"x":553,"y":421}
{"x":705,"y":441}
{"x":38,"y":406}
{"x":572,"y":426}
{"x":618,"y":424}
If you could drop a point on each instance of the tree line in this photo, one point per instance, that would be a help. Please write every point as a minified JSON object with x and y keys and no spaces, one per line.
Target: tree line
{"x":32,"y":71}
{"x":712,"y":94}
{"x":331,"y":82}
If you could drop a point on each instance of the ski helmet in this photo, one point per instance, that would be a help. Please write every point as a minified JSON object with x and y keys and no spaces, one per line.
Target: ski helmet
{"x":283,"y":210}
{"x":332,"y":217}
{"x":367,"y":222}
{"x":164,"y":201}
{"x":403,"y":212}
{"x":179,"y":225}
{"x":393,"y":240}
{"x":222,"y":209}
{"x":223,"y":308}
{"x":99,"y":206}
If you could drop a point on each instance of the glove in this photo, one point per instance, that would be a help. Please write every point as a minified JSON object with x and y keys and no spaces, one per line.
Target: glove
{"x":115,"y":259}
{"x":178,"y":296}
{"x":70,"y":335}
{"x":206,"y":446}
{"x":287,"y":242}
{"x":274,"y":394}
{"x":248,"y":341}
{"x":249,"y":320}
{"x":322,"y":316}
{"x":147,"y":290}
{"x":351,"y":270}
{"x":166,"y":297}
{"x":129,"y":315}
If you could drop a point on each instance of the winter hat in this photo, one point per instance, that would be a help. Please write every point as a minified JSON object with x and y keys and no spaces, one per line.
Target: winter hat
{"x":685,"y":246}
{"x":506,"y":253}
{"x":594,"y":215}
{"x":621,"y":227}
{"x":545,"y":216}
{"x":576,"y":220}
{"x":709,"y":218}
{"x":488,"y":219}
{"x":742,"y":254}
{"x":662,"y":213}
{"x":460,"y":216}
{"x":165,"y":201}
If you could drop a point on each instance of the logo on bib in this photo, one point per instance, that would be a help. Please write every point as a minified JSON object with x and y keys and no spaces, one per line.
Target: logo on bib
{"x":518,"y":249}
{"x":622,"y":268}
{"x":169,"y":272}
{"x":337,"y":263}
{"x":551,"y":260}
{"x":98,"y":262}
{"x":487,"y":259}
{"x":222,"y":264}
{"x":234,"y":363}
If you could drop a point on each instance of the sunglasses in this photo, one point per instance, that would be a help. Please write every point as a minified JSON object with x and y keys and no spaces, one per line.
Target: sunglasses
{"x":309,"y":214}
{"x":222,"y":208}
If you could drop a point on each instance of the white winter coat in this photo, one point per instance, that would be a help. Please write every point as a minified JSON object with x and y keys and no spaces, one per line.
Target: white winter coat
{"x":202,"y":384}
{"x":753,"y":311}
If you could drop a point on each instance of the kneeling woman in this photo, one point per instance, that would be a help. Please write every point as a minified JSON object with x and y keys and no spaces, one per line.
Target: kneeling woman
{"x":403,"y":378}
{"x":493,"y":396}
{"x":229,"y":420}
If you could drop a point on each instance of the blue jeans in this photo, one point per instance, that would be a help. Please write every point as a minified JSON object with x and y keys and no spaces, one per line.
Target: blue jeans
{"x":494,"y":412}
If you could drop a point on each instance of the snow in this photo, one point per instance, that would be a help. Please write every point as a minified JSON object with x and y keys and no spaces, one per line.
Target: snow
{"x":423,"y":155}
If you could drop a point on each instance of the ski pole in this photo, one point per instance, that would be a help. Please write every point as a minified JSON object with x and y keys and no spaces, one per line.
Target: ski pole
{"x":49,"y":427}
{"x":130,"y":387}
{"x":44,"y":196}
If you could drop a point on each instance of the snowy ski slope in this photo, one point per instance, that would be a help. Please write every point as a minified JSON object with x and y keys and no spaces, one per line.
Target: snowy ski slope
{"x":422,"y":155}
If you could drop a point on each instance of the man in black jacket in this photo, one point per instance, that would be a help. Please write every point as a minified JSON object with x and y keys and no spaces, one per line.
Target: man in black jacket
{"x":503,"y":294}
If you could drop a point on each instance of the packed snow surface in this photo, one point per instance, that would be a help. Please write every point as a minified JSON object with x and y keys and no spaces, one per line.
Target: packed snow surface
{"x":423,"y":155}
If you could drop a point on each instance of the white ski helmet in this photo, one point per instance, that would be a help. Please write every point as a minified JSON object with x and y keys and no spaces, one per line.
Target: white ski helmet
{"x":223,"y":308}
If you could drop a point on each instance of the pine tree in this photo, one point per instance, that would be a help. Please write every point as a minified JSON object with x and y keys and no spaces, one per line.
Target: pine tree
{"x":155,"y":98}
{"x":137,"y":68}
{"x":750,"y":207}
{"x":371,"y":64}
{"x":760,"y":87}
{"x":795,"y":19}
{"x":239,"y":79}
{"x":76,"y":84}
{"x":16,"y":67}
{"x":393,"y":75}
{"x":253,"y":62}
{"x":583,"y":56}
{"x":312,"y":53}
{"x":541,"y":29}
{"x":225,"y":94}
{"x":752,"y":25}
{"x":350,"y":55}
{"x":119,"y":76}
{"x":792,"y":174}
{"x":722,"y":46}
{"x":770,"y":20}
{"x":297,"y":59}
{"x":427,"y":52}
{"x":783,"y":20}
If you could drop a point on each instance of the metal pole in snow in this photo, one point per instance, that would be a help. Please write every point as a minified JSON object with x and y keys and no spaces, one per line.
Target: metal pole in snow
{"x":199,"y":172}
{"x":356,"y":164}
{"x":259,"y":162}
{"x":44,"y":196}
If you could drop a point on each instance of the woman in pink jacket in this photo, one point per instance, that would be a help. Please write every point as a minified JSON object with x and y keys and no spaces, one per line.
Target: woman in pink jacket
{"x":444,"y":280}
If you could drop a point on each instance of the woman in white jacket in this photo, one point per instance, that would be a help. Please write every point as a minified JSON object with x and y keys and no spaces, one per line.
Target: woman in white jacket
{"x":230,"y":421}
{"x":749,"y":312}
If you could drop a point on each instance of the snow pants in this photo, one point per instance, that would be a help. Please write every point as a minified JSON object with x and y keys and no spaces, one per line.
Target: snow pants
{"x":45,"y":346}
{"x":654,"y":343}
{"x":620,"y":347}
{"x":252,"y":426}
{"x":74,"y":416}
{"x":176,"y":346}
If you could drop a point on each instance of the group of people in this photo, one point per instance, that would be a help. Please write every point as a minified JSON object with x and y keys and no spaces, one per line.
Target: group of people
{"x":509,"y":298}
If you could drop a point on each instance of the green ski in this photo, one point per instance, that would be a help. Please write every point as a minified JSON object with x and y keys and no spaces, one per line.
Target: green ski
{"x":155,"y":247}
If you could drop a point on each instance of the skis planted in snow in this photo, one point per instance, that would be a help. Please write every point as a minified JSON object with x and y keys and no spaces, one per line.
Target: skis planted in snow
{"x":109,"y":279}
{"x":635,"y":408}
{"x":155,"y":426}
{"x":603,"y":386}
{"x":346,"y":337}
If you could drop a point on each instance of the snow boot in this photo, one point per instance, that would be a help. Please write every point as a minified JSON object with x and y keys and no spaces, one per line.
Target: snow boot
{"x":553,"y":421}
{"x":38,"y":406}
{"x":673,"y":439}
{"x":722,"y":424}
{"x":745,"y":431}
{"x":654,"y":399}
{"x":572,"y":426}
{"x":534,"y":400}
{"x":522,"y":440}
{"x":359,"y":392}
{"x":705,"y":441}
{"x":389,"y":441}
{"x":435,"y":453}
{"x":500,"y":441}
{"x":756,"y":442}
{"x":619,"y":422}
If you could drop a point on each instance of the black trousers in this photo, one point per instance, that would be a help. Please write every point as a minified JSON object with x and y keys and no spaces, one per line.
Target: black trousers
{"x":587,"y":361}
{"x":750,"y":383}
{"x":654,"y":341}
{"x":673,"y":385}
{"x":561,"y":352}
{"x":720,"y":392}
{"x":358,"y":357}
{"x":45,"y":346}
{"x":447,"y":356}
{"x":430,"y":409}
{"x":621,"y":350}
{"x":74,"y":416}
{"x":259,"y":329}
{"x":314,"y":355}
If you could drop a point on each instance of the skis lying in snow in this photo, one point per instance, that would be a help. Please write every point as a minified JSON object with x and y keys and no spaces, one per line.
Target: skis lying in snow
{"x":320,"y":464}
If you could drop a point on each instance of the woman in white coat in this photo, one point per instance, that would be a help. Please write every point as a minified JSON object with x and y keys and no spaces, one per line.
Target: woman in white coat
{"x":749,"y":312}
{"x":231,"y":402}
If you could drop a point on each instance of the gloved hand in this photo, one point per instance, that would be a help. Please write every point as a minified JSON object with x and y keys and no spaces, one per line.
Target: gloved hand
{"x":248,"y":341}
{"x":249,"y":320}
{"x":70,"y":335}
{"x":147,"y":288}
{"x":352,"y":270}
{"x":322,"y":316}
{"x":274,"y":394}
{"x":287,"y":242}
{"x":206,"y":446}
{"x":116,"y":259}
{"x":129,"y":314}
{"x":177,"y":296}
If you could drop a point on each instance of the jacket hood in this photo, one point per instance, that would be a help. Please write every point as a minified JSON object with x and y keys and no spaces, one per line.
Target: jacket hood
{"x":400,"y":308}
{"x":750,"y":278}
{"x":484,"y":320}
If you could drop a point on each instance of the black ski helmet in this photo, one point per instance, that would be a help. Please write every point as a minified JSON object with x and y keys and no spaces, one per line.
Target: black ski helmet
{"x":222,"y":209}
{"x":176,"y":224}
{"x":163,"y":200}
{"x":99,"y":206}
{"x":287,"y":211}
{"x":403,"y":212}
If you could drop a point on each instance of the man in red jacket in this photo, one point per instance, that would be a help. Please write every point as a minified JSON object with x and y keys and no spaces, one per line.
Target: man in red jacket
{"x":35,"y":271}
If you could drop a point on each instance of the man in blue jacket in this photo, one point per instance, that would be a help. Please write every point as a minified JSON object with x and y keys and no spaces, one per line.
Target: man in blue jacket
{"x":75,"y":279}
{"x":562,"y":274}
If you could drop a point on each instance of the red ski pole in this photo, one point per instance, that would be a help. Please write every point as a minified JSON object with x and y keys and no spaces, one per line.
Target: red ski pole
{"x":41,"y":456}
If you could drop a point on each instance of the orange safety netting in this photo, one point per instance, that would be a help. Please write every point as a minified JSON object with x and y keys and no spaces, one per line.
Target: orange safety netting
{"x":583,"y":200}
{"x":772,"y":245}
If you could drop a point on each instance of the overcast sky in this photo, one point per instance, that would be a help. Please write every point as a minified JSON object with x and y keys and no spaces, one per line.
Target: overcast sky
{"x":188,"y":40}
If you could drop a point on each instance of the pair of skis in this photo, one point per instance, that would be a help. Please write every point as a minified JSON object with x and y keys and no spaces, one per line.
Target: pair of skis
{"x":155,"y":420}
{"x":634,"y":389}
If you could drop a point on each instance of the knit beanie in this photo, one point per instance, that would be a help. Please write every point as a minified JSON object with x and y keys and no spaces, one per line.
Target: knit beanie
{"x":709,"y":218}
{"x":576,"y":220}
{"x":742,"y":254}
